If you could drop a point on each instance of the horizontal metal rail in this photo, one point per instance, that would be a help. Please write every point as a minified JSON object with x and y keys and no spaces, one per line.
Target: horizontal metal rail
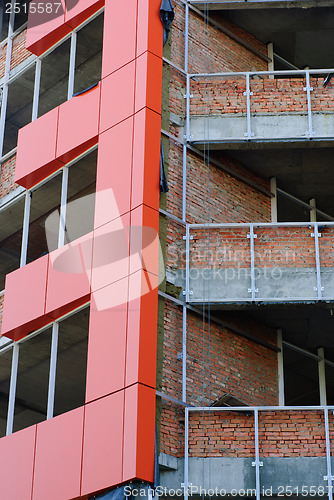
{"x":261,"y":408}
{"x":259,"y":224}
{"x":287,"y":72}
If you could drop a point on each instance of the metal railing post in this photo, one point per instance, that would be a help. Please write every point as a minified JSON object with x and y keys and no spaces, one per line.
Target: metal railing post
{"x":187,"y":263}
{"x":184,"y":354}
{"x":257,"y":462}
{"x":316,"y":235}
{"x":63,"y":207}
{"x":186,"y":454}
{"x":308,"y":89}
{"x":329,"y":477}
{"x":248,"y":93}
{"x":25,"y":229}
{"x":53,"y":370}
{"x":37,"y":85}
{"x":252,"y":255}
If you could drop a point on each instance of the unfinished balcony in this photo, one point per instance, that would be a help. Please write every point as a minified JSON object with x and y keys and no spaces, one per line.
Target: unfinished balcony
{"x":238,"y":110}
{"x":260,"y":263}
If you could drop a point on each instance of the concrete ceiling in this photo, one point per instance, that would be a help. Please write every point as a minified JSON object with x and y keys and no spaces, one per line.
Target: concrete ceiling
{"x":303,"y":36}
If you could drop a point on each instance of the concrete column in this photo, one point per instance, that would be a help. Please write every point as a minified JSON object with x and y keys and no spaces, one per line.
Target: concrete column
{"x":281,"y":399}
{"x":273,"y":189}
{"x":270,"y":52}
{"x":313,"y":211}
{"x":322,"y":376}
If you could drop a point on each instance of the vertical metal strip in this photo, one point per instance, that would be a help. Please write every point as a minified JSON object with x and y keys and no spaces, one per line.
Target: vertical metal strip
{"x":38,"y":72}
{"x":317,"y":260}
{"x":188,"y":109}
{"x":251,"y":235}
{"x":184,"y":156}
{"x":63,"y":206}
{"x":257,"y":454}
{"x":12,"y":389}
{"x":187,"y":263}
{"x":281,"y":398}
{"x":53,"y":370}
{"x":322,"y":376}
{"x":186,"y":37}
{"x":186,"y":453}
{"x":309,"y":105}
{"x":3,"y":115}
{"x":249,"y":130}
{"x":184,"y":355}
{"x":71,"y":74}
{"x":25,"y":230}
{"x":328,"y":456}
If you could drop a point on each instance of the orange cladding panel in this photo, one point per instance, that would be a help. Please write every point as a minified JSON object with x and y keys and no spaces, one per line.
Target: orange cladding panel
{"x":144,"y":240}
{"x":24,"y":304}
{"x":114,"y":169}
{"x":69,"y":276}
{"x":141,"y":349}
{"x":148,"y":82}
{"x":36,"y":150}
{"x":149,"y":27}
{"x":117,"y":96}
{"x":103,"y":444}
{"x":46,"y":25}
{"x":58,"y":457}
{"x":107,"y":340}
{"x":77,"y":11}
{"x":119,"y":38}
{"x":139,"y":433}
{"x":146,"y":159}
{"x":17,"y":453}
{"x":78,"y":124}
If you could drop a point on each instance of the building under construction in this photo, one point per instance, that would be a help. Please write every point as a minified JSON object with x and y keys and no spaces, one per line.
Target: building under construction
{"x":166,"y":249}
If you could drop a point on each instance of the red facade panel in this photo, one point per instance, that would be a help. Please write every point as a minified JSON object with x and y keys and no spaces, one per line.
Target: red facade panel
{"x":69,"y":276}
{"x":36,"y":150}
{"x":141,"y":347}
{"x":117,"y":96}
{"x":144,"y":240}
{"x":107,"y":340}
{"x":114,"y":170}
{"x":111,"y":252}
{"x":46,"y":26}
{"x":149,"y":27}
{"x":24,"y":305}
{"x":119,"y":44}
{"x":148,"y":82}
{"x":139,"y":433}
{"x":17,"y":453}
{"x":57,"y":472}
{"x":78,"y":124}
{"x":146,"y":158}
{"x":103,"y":444}
{"x":78,"y":11}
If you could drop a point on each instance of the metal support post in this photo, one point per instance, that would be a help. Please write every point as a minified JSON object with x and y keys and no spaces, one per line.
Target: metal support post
{"x":187,"y":263}
{"x":316,"y":235}
{"x":322,"y":376}
{"x":53,"y":369}
{"x":186,"y":453}
{"x":184,"y":183}
{"x":308,"y":89}
{"x":62,"y":219}
{"x":25,"y":230}
{"x":257,"y":464}
{"x":248,"y":93}
{"x":187,"y":134}
{"x":12,"y":389}
{"x":184,"y":160}
{"x":38,"y":70}
{"x":270,"y":52}
{"x":281,"y":399}
{"x":273,"y":189}
{"x":184,"y":354}
{"x":251,"y":236}
{"x":329,"y":477}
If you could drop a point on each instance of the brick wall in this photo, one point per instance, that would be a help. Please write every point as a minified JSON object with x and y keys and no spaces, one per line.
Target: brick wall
{"x":3,"y":52}
{"x":232,"y":364}
{"x":7,"y":173}
{"x":211,"y":50}
{"x":19,"y":52}
{"x":281,"y":434}
{"x":226,"y":95}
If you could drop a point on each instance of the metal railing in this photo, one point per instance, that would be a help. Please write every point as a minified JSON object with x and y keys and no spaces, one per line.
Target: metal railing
{"x":318,"y":292}
{"x":257,"y":463}
{"x":250,"y":133}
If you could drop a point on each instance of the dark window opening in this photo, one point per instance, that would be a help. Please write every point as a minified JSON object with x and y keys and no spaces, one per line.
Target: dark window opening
{"x":88,"y":60}
{"x":301,"y":379}
{"x":11,"y":225}
{"x":19,"y":107}
{"x":5,"y":372}
{"x":54,"y":78}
